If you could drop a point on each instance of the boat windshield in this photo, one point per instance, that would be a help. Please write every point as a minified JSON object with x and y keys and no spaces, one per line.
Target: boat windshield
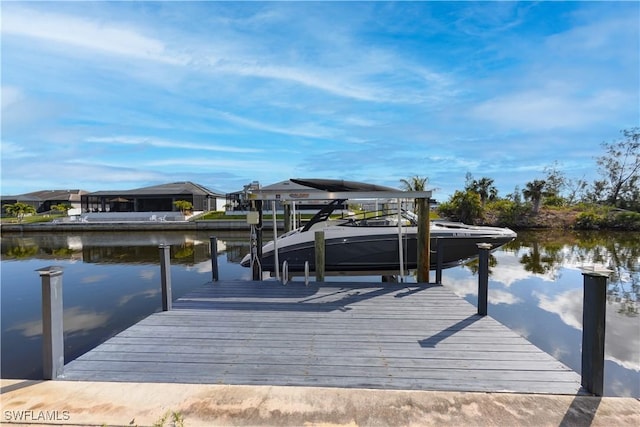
{"x":381,"y":219}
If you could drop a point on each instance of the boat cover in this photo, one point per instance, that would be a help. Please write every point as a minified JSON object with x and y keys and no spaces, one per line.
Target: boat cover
{"x":340,"y":185}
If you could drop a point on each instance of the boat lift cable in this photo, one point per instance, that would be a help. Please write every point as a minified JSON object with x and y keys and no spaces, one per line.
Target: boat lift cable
{"x":254,"y":249}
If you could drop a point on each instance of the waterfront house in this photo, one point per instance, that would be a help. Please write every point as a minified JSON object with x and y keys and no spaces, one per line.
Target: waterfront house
{"x":43,"y":200}
{"x":157,"y":198}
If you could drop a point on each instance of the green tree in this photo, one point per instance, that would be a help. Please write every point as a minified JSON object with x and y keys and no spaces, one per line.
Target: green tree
{"x":619,"y":168}
{"x":539,"y":262}
{"x":555,"y":183}
{"x":62,"y":207}
{"x":483,"y":187}
{"x":183,"y":205}
{"x":595,"y":192}
{"x":534,"y":191}
{"x":464,"y":206}
{"x":576,"y":190}
{"x":415,"y":183}
{"x":516,"y":196}
{"x":19,"y":210}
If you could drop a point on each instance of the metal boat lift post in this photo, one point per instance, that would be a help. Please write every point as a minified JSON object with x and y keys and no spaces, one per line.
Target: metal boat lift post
{"x":255,"y":220}
{"x":423,"y":197}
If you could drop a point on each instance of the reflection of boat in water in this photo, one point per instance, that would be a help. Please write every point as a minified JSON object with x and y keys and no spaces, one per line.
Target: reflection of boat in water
{"x":372,"y":244}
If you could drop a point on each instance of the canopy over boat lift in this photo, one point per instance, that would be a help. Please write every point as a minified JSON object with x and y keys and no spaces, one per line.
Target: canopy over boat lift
{"x":331,"y":189}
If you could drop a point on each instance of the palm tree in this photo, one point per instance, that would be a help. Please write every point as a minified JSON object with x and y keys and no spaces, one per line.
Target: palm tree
{"x":62,"y":208}
{"x":415,"y":183}
{"x":19,"y":210}
{"x":485,"y":189}
{"x":534,"y":191}
{"x":183,"y":205}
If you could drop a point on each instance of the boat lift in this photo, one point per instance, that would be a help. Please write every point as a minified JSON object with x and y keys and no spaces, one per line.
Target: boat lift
{"x":337,"y":190}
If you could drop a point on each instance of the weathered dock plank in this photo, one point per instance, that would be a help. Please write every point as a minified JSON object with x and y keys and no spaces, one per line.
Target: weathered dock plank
{"x":334,"y":334}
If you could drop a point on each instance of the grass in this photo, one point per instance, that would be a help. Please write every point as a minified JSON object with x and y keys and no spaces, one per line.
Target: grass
{"x":32,"y":219}
{"x":220,"y":216}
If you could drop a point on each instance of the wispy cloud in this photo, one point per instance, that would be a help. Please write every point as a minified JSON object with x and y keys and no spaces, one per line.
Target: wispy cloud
{"x":85,"y":33}
{"x":126,"y":94}
{"x":10,"y":96}
{"x":621,"y":349}
{"x":359,"y":80}
{"x":76,"y":320}
{"x":281,"y":168}
{"x":308,"y":130}
{"x":12,"y":151}
{"x":550,"y":107}
{"x":161,"y":143}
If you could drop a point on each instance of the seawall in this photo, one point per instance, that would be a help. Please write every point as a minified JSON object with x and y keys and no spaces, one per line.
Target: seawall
{"x":227,"y":225}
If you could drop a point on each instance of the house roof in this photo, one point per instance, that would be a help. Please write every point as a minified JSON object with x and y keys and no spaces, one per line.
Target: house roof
{"x":44,"y":195}
{"x":184,"y":187}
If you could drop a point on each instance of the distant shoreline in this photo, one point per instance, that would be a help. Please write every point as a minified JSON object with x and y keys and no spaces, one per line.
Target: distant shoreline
{"x":230,"y":225}
{"x":546,"y":219}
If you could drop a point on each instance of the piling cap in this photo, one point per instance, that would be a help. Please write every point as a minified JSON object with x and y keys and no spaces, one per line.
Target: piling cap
{"x":52,"y":270}
{"x":595,"y":270}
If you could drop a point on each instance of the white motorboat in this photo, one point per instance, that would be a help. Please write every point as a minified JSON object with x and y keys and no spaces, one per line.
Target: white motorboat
{"x":373,"y":244}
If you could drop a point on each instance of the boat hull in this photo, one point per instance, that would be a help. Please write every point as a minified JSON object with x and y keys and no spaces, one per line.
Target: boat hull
{"x":379,"y":252}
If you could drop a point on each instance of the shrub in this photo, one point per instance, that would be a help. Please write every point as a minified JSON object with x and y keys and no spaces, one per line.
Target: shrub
{"x":463,"y":206}
{"x":589,"y":220}
{"x":626,"y":220}
{"x":555,"y":201}
{"x":507,"y":212}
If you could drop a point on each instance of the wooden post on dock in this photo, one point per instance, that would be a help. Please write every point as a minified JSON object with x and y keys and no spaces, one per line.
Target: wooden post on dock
{"x":52,"y":324}
{"x":320,"y":255}
{"x":165,"y":276}
{"x":214,"y":258}
{"x":593,"y":327}
{"x":424,"y":238}
{"x":483,"y":277}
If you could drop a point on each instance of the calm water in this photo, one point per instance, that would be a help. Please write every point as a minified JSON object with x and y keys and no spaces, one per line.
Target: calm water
{"x":111,"y":280}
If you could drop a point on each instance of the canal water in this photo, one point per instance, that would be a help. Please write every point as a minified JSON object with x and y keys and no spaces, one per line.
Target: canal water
{"x":112,"y":280}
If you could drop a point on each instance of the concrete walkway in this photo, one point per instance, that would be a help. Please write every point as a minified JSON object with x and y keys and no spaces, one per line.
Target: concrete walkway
{"x":107,"y":403}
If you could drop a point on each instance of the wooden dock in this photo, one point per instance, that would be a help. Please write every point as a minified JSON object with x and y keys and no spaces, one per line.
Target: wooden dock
{"x":333,"y":334}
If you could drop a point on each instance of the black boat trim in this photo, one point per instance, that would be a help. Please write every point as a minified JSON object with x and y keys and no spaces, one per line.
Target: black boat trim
{"x":323,"y":214}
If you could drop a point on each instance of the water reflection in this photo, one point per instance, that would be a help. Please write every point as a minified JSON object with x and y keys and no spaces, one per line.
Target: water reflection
{"x":536,"y":289}
{"x":76,"y":320}
{"x":121,"y":247}
{"x":546,"y":253}
{"x":111,"y":280}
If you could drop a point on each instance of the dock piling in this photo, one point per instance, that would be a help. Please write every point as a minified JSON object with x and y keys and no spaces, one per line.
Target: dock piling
{"x":165,"y":276}
{"x":424,"y":239}
{"x":214,"y":258}
{"x":593,"y":329}
{"x":320,"y":255}
{"x":52,"y":323}
{"x":483,"y":277}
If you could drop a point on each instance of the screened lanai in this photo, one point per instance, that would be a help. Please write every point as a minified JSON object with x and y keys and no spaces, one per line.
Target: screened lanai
{"x":158,"y":198}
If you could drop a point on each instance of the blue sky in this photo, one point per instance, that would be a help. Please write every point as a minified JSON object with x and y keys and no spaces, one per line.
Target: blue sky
{"x":121,"y":95}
